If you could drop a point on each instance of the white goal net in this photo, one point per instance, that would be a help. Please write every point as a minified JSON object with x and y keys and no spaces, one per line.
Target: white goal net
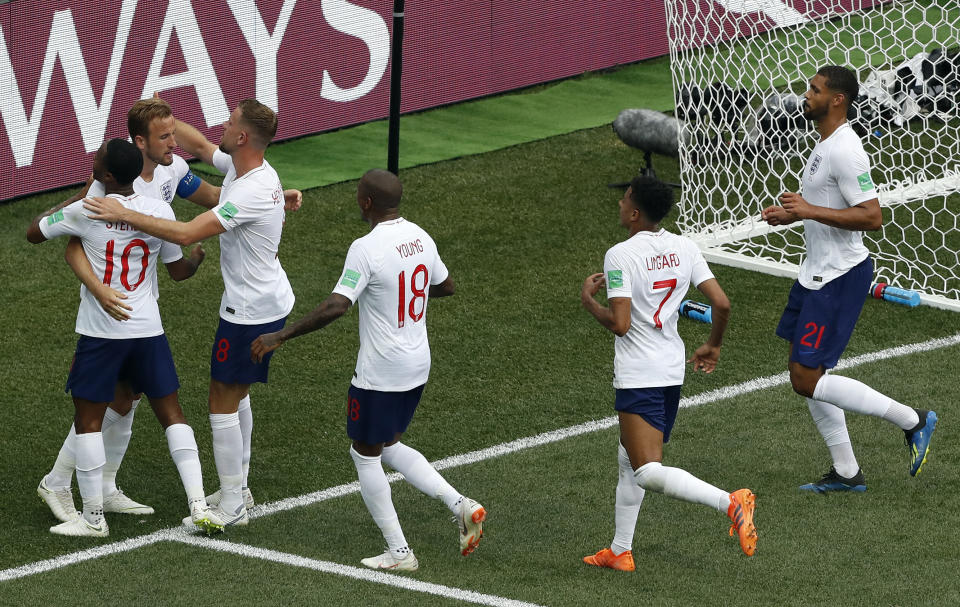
{"x":740,"y":68}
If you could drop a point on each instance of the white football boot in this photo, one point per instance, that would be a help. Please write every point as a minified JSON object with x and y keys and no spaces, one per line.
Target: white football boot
{"x":79,"y":527}
{"x":214,"y":498}
{"x":214,"y":519}
{"x":388,"y":561}
{"x":60,"y":501}
{"x":121,"y":504}
{"x":470,"y":519}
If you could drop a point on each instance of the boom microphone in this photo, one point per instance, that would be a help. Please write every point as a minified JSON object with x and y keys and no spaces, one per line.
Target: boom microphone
{"x":649,"y":130}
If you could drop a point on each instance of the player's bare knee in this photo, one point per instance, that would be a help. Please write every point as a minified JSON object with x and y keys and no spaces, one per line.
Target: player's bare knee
{"x":802,"y":384}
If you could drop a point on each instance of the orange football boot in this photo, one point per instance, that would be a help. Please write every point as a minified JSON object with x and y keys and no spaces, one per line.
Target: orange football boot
{"x":606,"y":558}
{"x":740,"y":511}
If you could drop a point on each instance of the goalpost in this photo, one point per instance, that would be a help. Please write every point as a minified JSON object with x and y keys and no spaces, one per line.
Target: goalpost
{"x":740,"y":68}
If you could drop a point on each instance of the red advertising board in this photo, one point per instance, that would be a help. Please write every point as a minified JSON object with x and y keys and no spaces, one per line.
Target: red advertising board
{"x":70,"y":69}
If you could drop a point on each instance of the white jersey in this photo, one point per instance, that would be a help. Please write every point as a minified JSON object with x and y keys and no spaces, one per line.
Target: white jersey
{"x":653,"y":269}
{"x":163,"y":185}
{"x":125,"y":259}
{"x":837,"y":176}
{"x":390,"y":271}
{"x":256,"y":289}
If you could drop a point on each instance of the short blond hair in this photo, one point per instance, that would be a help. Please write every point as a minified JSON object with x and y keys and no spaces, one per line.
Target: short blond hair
{"x":261,"y":120}
{"x":143,"y":113}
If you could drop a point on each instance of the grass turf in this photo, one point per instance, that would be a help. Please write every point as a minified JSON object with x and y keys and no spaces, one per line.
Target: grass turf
{"x":514,"y":355}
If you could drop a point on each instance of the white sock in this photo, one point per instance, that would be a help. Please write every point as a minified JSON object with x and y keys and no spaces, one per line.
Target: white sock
{"x":680,"y":484}
{"x":61,"y":474}
{"x":629,"y":497}
{"x":852,"y":395}
{"x":228,"y":453}
{"x":90,"y":462}
{"x":117,"y":430}
{"x":183,"y":450}
{"x":417,"y":470}
{"x":832,"y":425}
{"x":245,"y":414}
{"x":375,"y":491}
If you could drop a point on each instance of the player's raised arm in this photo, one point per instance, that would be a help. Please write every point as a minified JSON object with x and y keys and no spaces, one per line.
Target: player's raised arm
{"x":34,"y":235}
{"x":194,"y":143}
{"x":202,"y":226}
{"x":616,"y":318}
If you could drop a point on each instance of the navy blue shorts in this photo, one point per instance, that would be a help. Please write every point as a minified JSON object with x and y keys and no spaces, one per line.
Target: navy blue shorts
{"x":819,"y":323}
{"x":230,"y":359}
{"x":144,"y":362}
{"x":657,"y":406}
{"x":376,"y":417}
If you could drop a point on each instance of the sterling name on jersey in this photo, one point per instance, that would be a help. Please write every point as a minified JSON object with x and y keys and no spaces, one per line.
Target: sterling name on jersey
{"x":653,"y":269}
{"x":175,"y":178}
{"x":837,"y":176}
{"x":125,"y":259}
{"x":255,"y":287}
{"x":167,"y":180}
{"x":390,"y":271}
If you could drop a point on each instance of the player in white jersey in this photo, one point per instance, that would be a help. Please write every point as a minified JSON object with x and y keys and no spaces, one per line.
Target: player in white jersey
{"x":391,"y":273}
{"x":152,"y":126}
{"x":838,"y":202}
{"x":257,"y":296}
{"x":110,"y":350}
{"x":646,"y":277}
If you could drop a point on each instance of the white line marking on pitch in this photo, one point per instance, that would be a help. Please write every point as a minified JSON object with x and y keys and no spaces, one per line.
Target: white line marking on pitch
{"x":473,"y":457}
{"x":366,"y":575}
{"x":83,"y":555}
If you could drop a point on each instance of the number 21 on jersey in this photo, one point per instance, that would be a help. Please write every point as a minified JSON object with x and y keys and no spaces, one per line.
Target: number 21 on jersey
{"x":404,"y":308}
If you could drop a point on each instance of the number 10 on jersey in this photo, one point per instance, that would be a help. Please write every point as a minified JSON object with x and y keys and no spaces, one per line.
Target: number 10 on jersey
{"x":417,"y":292}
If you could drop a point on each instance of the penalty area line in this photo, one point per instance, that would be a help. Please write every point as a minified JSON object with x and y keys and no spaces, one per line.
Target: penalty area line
{"x":472,"y":457}
{"x":365,"y":575}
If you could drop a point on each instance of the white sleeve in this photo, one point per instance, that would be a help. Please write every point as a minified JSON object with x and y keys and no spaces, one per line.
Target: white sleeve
{"x":439,"y":272}
{"x":356,"y":273}
{"x":96,"y":189}
{"x":68,"y":221}
{"x":180,"y":167}
{"x":242,"y":206}
{"x":169,"y":252}
{"x":853,"y":176}
{"x":700,"y":271}
{"x":616,"y":269}
{"x":222,"y":161}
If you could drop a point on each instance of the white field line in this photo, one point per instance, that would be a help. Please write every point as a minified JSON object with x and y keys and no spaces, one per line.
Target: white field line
{"x":474,"y":457}
{"x":366,"y":575}
{"x":83,"y":555}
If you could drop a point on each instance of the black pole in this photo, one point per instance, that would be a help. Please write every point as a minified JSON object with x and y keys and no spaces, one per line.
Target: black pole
{"x":396,"y":70}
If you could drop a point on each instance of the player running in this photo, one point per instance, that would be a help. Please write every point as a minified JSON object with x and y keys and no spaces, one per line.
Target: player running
{"x":396,"y":262}
{"x":110,"y":350}
{"x":838,"y":202}
{"x":646,"y":277}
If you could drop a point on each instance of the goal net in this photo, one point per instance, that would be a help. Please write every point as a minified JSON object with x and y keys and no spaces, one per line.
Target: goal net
{"x":740,"y":68}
